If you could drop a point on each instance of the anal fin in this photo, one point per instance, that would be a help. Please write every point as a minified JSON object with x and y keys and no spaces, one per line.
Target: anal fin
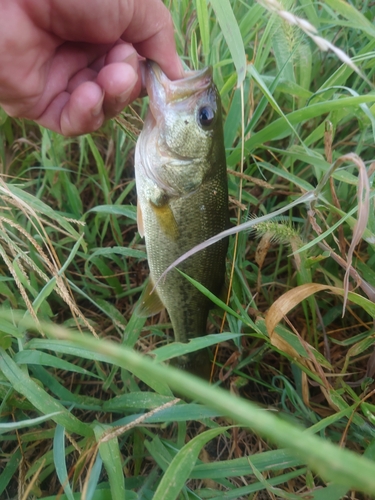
{"x":149,"y":302}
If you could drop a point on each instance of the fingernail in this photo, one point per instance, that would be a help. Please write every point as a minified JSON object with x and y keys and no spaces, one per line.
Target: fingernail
{"x":98,"y":108}
{"x":143,"y":71}
{"x":124,"y":96}
{"x":132,"y":59}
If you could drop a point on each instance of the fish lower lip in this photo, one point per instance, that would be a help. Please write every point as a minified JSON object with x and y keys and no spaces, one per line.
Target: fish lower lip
{"x":192,"y":82}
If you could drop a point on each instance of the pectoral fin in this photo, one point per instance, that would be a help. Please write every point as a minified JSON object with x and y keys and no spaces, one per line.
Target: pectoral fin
{"x":166,"y":220}
{"x":141,"y":229}
{"x":149,"y":302}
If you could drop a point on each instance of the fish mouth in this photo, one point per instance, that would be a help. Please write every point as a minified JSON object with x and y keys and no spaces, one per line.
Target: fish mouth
{"x":193,"y":81}
{"x":163,"y":91}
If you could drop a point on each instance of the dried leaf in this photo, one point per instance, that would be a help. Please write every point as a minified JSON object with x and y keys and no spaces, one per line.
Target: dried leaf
{"x":281,"y":307}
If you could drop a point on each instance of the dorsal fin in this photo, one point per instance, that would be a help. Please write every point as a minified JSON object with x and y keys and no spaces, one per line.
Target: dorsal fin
{"x":149,"y":302}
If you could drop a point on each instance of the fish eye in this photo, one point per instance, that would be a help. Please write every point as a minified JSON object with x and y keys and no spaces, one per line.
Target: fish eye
{"x":206,"y":116}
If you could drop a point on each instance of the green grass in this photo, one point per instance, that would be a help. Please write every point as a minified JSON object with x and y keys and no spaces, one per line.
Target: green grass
{"x":82,"y":413}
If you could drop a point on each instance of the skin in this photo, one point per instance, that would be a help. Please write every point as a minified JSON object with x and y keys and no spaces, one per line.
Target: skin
{"x":71,"y":64}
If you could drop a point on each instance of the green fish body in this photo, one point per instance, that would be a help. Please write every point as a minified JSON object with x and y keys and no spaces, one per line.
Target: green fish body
{"x":182,"y":193}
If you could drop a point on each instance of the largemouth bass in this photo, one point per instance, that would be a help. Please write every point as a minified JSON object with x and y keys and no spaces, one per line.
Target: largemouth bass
{"x":181,"y":181}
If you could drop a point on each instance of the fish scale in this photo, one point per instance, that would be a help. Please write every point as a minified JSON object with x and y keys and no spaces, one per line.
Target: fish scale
{"x":182,"y":192}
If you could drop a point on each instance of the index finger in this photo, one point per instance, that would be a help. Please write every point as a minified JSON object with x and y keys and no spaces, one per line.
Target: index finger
{"x":151,"y":31}
{"x":147,"y":24}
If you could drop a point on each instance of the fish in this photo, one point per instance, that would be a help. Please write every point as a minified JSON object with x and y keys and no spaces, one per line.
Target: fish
{"x":182,"y":199}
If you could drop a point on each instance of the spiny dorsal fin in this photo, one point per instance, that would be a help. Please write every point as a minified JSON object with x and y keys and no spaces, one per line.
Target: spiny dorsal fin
{"x":149,"y":302}
{"x":141,"y":229}
{"x":166,"y":220}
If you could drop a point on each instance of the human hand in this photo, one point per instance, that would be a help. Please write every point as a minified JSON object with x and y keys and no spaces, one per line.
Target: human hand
{"x":71,"y":64}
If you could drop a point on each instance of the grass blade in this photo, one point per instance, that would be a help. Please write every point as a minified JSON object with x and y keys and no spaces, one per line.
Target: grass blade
{"x":268,"y":95}
{"x":29,"y":357}
{"x":110,"y":454}
{"x":94,"y":478}
{"x":22,"y":383}
{"x":353,"y":15}
{"x":179,"y":470}
{"x":232,"y":35}
{"x":178,"y":349}
{"x":123,"y":210}
{"x":9,"y":470}
{"x":59,"y":459}
{"x":204,"y":27}
{"x":342,"y":466}
{"x":279,"y":129}
{"x":6,"y":427}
